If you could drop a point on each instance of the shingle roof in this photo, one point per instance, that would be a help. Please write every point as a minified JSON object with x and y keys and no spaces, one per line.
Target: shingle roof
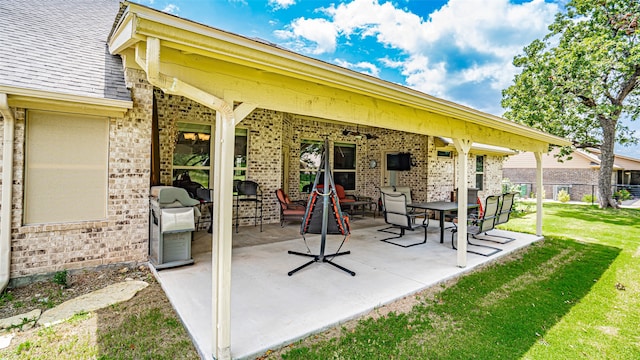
{"x":60,"y":46}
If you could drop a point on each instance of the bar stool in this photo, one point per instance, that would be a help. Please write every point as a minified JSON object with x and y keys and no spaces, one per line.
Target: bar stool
{"x":205,"y":196}
{"x":249,"y":191}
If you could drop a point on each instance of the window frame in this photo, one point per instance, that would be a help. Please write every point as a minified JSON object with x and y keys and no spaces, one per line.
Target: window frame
{"x":334,"y":145}
{"x":66,"y":156}
{"x":354,"y":170}
{"x":240,"y":168}
{"x":480,"y":171}
{"x":177,"y":169}
{"x":312,"y":171}
{"x":241,"y":162}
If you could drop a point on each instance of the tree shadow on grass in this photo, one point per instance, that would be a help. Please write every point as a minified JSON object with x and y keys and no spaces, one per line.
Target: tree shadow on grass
{"x":497,"y":312}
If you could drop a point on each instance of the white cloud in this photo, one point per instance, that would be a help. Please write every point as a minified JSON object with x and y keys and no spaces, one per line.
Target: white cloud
{"x":428,"y":78}
{"x":393,"y":64}
{"x":391,"y":26}
{"x":362,"y":66}
{"x":171,"y":9}
{"x":464,"y":43}
{"x":301,"y":31}
{"x":281,"y":4}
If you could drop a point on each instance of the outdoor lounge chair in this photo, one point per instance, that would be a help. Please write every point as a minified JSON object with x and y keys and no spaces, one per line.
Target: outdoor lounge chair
{"x":288,"y":208}
{"x":396,"y":214}
{"x":506,"y":208}
{"x":481,"y":225}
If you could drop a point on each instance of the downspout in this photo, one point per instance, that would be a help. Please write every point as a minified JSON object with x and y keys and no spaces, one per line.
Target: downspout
{"x":222,"y":180}
{"x":7,"y":194}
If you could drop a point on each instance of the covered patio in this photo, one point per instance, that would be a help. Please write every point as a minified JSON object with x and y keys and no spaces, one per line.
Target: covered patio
{"x":271,"y":309}
{"x":246,"y":81}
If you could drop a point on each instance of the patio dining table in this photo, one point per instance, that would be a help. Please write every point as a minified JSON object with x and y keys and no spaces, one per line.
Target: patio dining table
{"x":441,"y":207}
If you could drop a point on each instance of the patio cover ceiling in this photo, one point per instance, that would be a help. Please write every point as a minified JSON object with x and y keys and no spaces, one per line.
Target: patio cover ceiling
{"x":241,"y":70}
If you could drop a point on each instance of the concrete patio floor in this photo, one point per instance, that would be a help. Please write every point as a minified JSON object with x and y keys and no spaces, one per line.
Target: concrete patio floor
{"x":271,"y":309}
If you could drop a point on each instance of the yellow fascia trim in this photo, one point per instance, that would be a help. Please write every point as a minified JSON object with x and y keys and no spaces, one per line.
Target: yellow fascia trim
{"x":191,"y":37}
{"x":53,"y":101}
{"x":476,"y":148}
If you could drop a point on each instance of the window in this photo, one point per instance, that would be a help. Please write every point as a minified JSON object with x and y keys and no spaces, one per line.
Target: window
{"x":344,"y":165}
{"x":240,"y":155}
{"x":479,"y":172}
{"x":444,"y":154}
{"x":66,"y":167}
{"x":310,"y":156}
{"x":192,"y":154}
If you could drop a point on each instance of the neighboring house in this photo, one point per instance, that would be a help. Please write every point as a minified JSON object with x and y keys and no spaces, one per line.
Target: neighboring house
{"x":578,"y":175}
{"x":101,"y":101}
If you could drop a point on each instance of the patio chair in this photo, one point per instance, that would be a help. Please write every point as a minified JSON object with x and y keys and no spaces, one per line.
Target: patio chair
{"x":472,"y":199}
{"x":343,"y":197}
{"x":384,"y":189}
{"x":396,"y":214}
{"x":289,"y":209}
{"x":506,"y":208}
{"x":249,"y":191}
{"x":481,"y":225}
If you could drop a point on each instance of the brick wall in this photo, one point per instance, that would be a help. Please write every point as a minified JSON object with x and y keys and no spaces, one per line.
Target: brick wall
{"x":441,"y":174}
{"x":122,"y":237}
{"x":492,"y":176}
{"x":583,"y":181}
{"x":173,"y":109}
{"x":264,"y":130}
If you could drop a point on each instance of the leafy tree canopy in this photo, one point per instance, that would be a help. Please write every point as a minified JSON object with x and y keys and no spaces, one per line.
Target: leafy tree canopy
{"x":586,"y":69}
{"x":582,"y":77}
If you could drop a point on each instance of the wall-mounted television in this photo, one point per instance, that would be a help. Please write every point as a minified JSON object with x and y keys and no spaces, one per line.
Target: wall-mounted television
{"x":399,"y":161}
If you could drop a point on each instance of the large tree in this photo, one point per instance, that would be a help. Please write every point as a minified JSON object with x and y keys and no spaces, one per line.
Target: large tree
{"x":581,"y":79}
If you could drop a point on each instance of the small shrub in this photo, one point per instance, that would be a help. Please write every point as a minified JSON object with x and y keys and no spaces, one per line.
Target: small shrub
{"x":508,"y":186}
{"x":23,"y":347}
{"x":589,"y":199}
{"x":563,"y":196}
{"x":60,"y":278}
{"x":5,"y":298}
{"x":622,"y":194}
{"x":533,"y":195}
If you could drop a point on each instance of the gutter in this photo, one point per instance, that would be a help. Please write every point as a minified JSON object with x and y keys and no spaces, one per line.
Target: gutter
{"x":7,"y":194}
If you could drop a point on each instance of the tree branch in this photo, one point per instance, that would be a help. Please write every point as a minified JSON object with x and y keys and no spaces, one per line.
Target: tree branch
{"x":586,"y":145}
{"x":629,"y":85}
{"x":589,"y":102}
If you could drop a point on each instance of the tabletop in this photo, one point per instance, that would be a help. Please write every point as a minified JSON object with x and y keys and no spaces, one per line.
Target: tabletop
{"x":439,"y":205}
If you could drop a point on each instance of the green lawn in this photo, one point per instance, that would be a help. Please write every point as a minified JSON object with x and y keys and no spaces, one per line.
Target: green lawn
{"x":560,"y":299}
{"x":605,"y":324}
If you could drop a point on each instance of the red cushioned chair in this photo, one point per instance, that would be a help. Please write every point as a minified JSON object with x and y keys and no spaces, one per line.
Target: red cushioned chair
{"x":289,"y":209}
{"x":342,"y":196}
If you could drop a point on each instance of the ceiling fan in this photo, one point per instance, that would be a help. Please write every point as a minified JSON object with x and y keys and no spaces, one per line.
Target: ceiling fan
{"x":358,"y":134}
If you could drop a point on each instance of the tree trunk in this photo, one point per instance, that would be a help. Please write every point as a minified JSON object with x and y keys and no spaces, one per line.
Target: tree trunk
{"x":606,"y":163}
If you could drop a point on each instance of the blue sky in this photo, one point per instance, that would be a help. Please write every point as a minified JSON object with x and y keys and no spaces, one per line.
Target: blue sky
{"x":459,"y":50}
